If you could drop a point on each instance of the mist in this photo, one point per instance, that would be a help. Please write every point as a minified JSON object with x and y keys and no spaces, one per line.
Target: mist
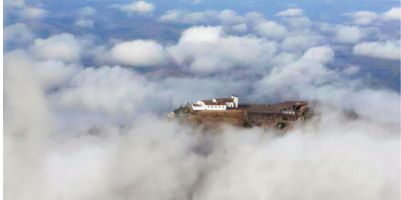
{"x":329,"y":157}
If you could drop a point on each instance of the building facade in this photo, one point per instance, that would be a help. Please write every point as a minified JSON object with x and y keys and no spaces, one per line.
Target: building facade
{"x":216,"y":104}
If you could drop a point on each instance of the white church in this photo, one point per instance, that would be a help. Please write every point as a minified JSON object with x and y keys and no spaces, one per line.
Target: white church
{"x":216,"y":104}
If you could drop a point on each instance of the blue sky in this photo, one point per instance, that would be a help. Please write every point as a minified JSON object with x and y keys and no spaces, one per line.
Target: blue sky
{"x":285,"y":30}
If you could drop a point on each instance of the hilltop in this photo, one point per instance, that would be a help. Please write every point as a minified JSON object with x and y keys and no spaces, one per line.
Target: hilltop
{"x":229,"y":110}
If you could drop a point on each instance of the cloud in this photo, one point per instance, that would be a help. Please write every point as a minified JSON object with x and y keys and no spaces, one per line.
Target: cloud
{"x":33,"y":13}
{"x":98,"y":131}
{"x":139,"y":159}
{"x":369,"y":17}
{"x":178,"y":16}
{"x":254,"y":17}
{"x":28,"y":125}
{"x":241,"y":28}
{"x":170,"y":16}
{"x":364,"y":17}
{"x":205,"y":49}
{"x":225,"y":17}
{"x":322,"y":54}
{"x":230,"y":17}
{"x":385,"y":50}
{"x":84,"y":23}
{"x":291,"y":12}
{"x":48,"y":74}
{"x":307,"y":71}
{"x":138,"y":53}
{"x":199,"y":34}
{"x":309,"y":77}
{"x":87,"y":11}
{"x":14,"y":3}
{"x":193,"y":1}
{"x":286,"y":158}
{"x":351,"y":70}
{"x":301,"y":41}
{"x":53,"y":74}
{"x":124,"y":89}
{"x":298,"y":23}
{"x":393,"y":14}
{"x":271,"y":29}
{"x":140,"y":7}
{"x":18,"y":33}
{"x":347,"y":34}
{"x":63,"y":47}
{"x":132,"y":153}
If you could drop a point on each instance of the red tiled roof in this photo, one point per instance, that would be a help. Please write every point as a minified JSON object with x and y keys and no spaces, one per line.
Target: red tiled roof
{"x":225,"y":100}
{"x":210,"y":102}
{"x":219,"y":101}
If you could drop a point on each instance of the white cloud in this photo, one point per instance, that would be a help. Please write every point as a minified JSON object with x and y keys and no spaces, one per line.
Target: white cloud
{"x":393,"y":14}
{"x":241,"y":28}
{"x":271,"y":29}
{"x":369,"y":17}
{"x":347,"y":34}
{"x":364,"y":17}
{"x":201,"y":17}
{"x":63,"y":47}
{"x":225,"y":17}
{"x":385,"y":50}
{"x":138,"y":53}
{"x":291,"y":12}
{"x":48,"y":74}
{"x":301,"y":41}
{"x":130,"y":155}
{"x":122,"y":88}
{"x":208,"y":49}
{"x":305,"y":72}
{"x":199,"y":34}
{"x":298,"y":23}
{"x":84,"y":23}
{"x":33,"y":13}
{"x":170,"y":16}
{"x":230,"y":17}
{"x":108,"y":147}
{"x":193,"y":1}
{"x":18,"y":33}
{"x":87,"y":11}
{"x":309,"y":78}
{"x":198,"y":17}
{"x":28,"y":125}
{"x":52,"y":74}
{"x":140,"y":7}
{"x":322,"y":54}
{"x":14,"y":3}
{"x":254,"y":17}
{"x":351,"y":70}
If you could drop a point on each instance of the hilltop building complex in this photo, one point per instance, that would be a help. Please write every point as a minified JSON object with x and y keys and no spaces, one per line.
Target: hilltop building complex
{"x":230,"y":110}
{"x":216,"y":104}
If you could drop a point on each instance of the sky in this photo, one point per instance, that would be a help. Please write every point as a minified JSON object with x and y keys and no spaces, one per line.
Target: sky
{"x":88,"y":84}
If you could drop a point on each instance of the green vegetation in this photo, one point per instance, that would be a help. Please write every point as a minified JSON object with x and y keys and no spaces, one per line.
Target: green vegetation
{"x":182,"y":110}
{"x":281,"y":124}
{"x":247,"y":124}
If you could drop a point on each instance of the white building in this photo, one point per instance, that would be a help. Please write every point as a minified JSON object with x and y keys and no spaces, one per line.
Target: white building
{"x":216,"y":104}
